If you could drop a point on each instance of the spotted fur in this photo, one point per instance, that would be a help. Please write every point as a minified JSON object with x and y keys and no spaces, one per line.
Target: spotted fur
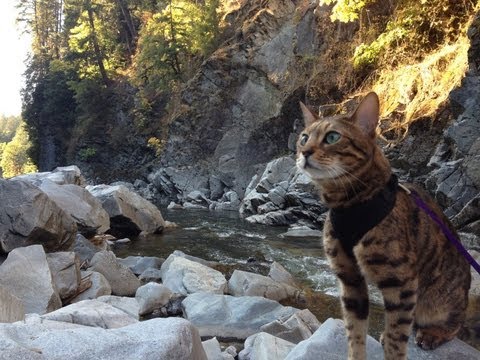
{"x":423,"y":279}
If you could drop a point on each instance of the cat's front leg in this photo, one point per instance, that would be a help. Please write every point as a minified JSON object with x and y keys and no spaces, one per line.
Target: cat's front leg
{"x":354,"y":297}
{"x":396,"y":278}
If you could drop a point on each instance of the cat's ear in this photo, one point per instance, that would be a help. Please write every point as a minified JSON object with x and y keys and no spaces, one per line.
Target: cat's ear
{"x":367,"y":114}
{"x":308,"y":116}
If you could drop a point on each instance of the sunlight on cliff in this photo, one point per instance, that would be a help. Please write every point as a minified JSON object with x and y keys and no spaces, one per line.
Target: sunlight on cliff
{"x":411,"y":92}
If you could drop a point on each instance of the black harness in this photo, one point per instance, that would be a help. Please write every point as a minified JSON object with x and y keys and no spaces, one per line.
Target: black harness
{"x":351,"y":223}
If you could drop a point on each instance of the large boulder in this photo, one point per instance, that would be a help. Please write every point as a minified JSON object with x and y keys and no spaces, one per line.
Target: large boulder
{"x":81,"y":205}
{"x":65,"y":268}
{"x":227,"y":316}
{"x":28,"y":216}
{"x":129,"y":213}
{"x":185,"y":276}
{"x":243,"y":283}
{"x":61,"y":175}
{"x":84,"y":248}
{"x":36,"y":338}
{"x":92,"y":313}
{"x":26,"y":275}
{"x":11,"y":307}
{"x":121,"y":279}
{"x":264,"y":346}
{"x":330,"y":342}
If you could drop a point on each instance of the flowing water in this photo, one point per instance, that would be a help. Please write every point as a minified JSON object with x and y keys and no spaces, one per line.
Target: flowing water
{"x":226,"y":238}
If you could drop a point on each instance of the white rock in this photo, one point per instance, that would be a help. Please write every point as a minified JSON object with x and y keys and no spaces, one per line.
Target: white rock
{"x":171,"y":338}
{"x":100,"y":287}
{"x":329,"y":342}
{"x":263,"y":346}
{"x":26,"y":275}
{"x":150,"y":275}
{"x":11,"y":308}
{"x":243,"y":283}
{"x":184,"y":276}
{"x":300,"y":326}
{"x":121,"y":279}
{"x":92,"y":313}
{"x":232,"y":317}
{"x":152,"y":296}
{"x":128,"y":305}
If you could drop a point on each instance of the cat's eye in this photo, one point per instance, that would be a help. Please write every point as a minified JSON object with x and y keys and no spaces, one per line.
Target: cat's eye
{"x":303,"y":139}
{"x":332,"y":137}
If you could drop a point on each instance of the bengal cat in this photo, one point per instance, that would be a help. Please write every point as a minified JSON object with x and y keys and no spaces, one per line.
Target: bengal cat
{"x":375,"y":232}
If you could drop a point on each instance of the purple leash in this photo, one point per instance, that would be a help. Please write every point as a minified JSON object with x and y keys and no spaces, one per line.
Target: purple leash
{"x":450,"y":236}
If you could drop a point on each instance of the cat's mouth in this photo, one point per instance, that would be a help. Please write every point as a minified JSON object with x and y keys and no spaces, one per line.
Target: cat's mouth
{"x":316,"y":172}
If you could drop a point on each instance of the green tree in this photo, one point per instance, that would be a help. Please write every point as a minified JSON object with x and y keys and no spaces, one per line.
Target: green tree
{"x":15,"y":159}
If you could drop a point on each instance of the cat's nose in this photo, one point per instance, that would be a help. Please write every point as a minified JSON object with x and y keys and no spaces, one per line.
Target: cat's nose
{"x":307,"y":153}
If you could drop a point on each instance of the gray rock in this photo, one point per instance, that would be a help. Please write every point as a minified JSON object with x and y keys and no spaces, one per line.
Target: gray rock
{"x":264,"y":346}
{"x":232,"y":317}
{"x":303,"y":231}
{"x":28,"y":216}
{"x":92,"y":313}
{"x":65,"y":268}
{"x":84,"y":248}
{"x":129,"y":213}
{"x":126,"y":304}
{"x":214,"y":352}
{"x":277,"y":196}
{"x":172,"y":338}
{"x":82,"y":206}
{"x":300,"y":326}
{"x":26,"y":275}
{"x":244,"y":283}
{"x":193,"y":206}
{"x":184,"y":276}
{"x":11,"y":307}
{"x":150,"y":275}
{"x":475,"y":286}
{"x":99,"y":287}
{"x":195,"y":259}
{"x":61,"y":175}
{"x":152,"y":296}
{"x":329,"y":342}
{"x":174,"y":206}
{"x":279,"y":218}
{"x":278,"y":273}
{"x":121,"y":279}
{"x":138,"y":264}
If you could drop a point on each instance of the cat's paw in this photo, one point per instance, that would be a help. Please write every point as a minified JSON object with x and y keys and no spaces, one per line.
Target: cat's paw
{"x":431,"y":338}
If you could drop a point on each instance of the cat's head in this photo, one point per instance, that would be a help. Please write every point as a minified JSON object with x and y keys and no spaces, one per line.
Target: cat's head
{"x":340,"y":145}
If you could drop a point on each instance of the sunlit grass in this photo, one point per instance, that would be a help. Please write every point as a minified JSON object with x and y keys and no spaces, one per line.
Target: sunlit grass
{"x":417,"y":91}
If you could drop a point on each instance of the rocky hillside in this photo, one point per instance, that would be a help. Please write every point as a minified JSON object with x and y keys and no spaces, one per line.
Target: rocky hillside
{"x":241,"y":111}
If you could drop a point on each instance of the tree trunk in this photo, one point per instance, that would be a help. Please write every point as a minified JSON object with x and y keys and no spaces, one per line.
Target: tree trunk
{"x":96,"y":47}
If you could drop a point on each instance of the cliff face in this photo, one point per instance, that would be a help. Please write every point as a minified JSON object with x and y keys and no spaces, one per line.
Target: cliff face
{"x":237,"y":113}
{"x":240,"y":111}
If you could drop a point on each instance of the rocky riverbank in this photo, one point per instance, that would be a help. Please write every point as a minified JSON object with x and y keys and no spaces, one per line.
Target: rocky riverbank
{"x":63,"y":295}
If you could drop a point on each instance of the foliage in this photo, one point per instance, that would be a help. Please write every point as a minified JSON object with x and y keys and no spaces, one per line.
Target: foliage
{"x":95,"y":61}
{"x":156,"y":144}
{"x":170,"y":42}
{"x":87,"y":153}
{"x":346,"y":10}
{"x":15,"y":159}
